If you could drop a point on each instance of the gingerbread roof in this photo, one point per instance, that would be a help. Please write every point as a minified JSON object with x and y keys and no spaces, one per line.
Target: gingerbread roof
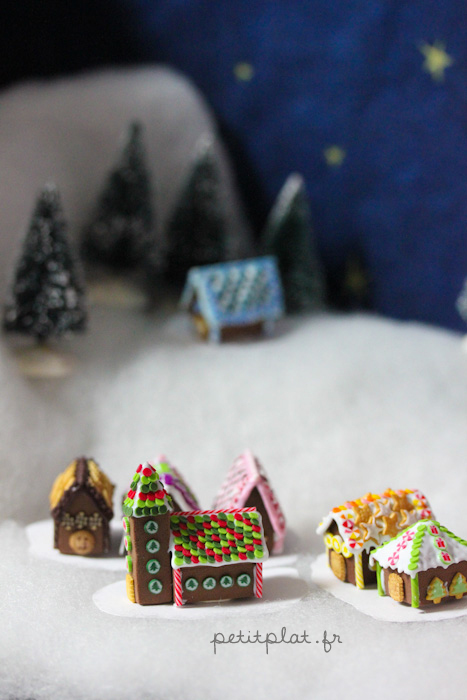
{"x":235,"y":293}
{"x":376,"y":518}
{"x":217,"y":537}
{"x":420,"y":547}
{"x":175,"y":484}
{"x":147,"y":494}
{"x":82,"y":474}
{"x":245,"y":474}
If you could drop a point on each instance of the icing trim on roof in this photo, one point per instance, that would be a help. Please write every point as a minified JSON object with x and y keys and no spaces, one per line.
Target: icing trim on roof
{"x":244,"y":475}
{"x":374,"y":519}
{"x":425,"y":545}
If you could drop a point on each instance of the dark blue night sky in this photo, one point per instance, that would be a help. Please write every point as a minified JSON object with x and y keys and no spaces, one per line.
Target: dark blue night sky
{"x":366,"y":98}
{"x":383,"y":86}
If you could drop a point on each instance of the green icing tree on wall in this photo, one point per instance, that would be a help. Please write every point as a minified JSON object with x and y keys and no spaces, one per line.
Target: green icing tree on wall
{"x":436,"y":590}
{"x":47,"y":296}
{"x":458,"y":585}
{"x":288,"y":236}
{"x":196,"y":228}
{"x":122,"y":233}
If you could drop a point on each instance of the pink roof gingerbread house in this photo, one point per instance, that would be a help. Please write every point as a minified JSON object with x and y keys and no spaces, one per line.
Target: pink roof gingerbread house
{"x":247,"y":486}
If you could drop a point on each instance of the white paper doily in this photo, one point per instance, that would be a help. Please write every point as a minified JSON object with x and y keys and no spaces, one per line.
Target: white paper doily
{"x":282,"y":587}
{"x":41,"y":538}
{"x":379,"y":607}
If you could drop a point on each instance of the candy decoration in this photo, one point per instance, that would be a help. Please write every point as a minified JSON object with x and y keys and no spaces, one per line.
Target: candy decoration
{"x":243,"y":580}
{"x":153,"y":546}
{"x":177,"y":581}
{"x":227,"y":581}
{"x":153,"y":566}
{"x":436,"y":590}
{"x":337,"y":544}
{"x":130,"y":588}
{"x":378,"y":579}
{"x":155,"y":586}
{"x":259,"y":581}
{"x":151,"y":527}
{"x":328,"y":540}
{"x":191,"y":584}
{"x":415,"y":592}
{"x":129,"y":564}
{"x":126,"y":524}
{"x":209,"y":583}
{"x":359,"y":582}
{"x":458,"y":586}
{"x":127,"y":542}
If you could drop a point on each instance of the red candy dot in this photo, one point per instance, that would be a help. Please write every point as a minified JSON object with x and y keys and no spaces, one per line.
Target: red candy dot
{"x":226,"y":550}
{"x":138,"y":469}
{"x":147,"y":471}
{"x":218,"y":557}
{"x":242,"y":555}
{"x":160,"y":495}
{"x":238,"y":516}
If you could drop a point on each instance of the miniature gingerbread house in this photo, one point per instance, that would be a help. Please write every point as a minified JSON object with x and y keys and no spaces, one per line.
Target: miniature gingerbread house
{"x":353,"y":530}
{"x":81,"y":506}
{"x":175,"y":484}
{"x":247,"y":486}
{"x":228,"y":299}
{"x":425,"y":564}
{"x":188,"y":556}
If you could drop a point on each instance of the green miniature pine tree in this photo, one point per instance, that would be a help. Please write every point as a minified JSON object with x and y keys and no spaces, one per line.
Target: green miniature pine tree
{"x":436,"y":590}
{"x":47,"y":296}
{"x":122,"y":233}
{"x":288,"y":236}
{"x":196,"y":229}
{"x":458,"y":585}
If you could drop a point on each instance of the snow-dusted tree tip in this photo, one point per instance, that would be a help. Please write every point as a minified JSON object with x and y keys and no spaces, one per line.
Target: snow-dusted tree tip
{"x":288,"y":235}
{"x":122,"y":232}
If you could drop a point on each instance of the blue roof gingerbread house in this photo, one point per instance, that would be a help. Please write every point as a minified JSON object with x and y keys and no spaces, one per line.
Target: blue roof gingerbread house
{"x":229,"y":298}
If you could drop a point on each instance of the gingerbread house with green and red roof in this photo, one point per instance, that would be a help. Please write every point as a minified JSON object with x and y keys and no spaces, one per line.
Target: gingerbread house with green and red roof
{"x":353,"y":530}
{"x":188,"y":556}
{"x":422,"y":566}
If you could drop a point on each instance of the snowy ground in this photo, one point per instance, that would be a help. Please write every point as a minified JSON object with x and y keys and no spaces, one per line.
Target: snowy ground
{"x":334,"y":406}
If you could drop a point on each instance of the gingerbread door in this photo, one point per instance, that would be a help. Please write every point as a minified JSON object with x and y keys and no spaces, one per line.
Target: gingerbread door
{"x":337,"y":562}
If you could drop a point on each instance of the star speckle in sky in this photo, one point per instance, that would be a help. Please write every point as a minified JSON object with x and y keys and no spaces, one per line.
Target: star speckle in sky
{"x":436,"y":59}
{"x":243,"y":71}
{"x":334,"y":156}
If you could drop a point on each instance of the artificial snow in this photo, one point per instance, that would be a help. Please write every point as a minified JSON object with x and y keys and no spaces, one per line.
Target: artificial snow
{"x":333,"y":406}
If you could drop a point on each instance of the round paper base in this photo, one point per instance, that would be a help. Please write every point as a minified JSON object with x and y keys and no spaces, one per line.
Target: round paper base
{"x":116,"y":293}
{"x":379,"y":607}
{"x":42,"y":362}
{"x":41,"y":537}
{"x":281,"y":588}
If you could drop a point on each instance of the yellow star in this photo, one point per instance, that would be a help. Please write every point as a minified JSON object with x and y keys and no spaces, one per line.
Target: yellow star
{"x":436,"y":59}
{"x":334,"y":156}
{"x":243,"y":71}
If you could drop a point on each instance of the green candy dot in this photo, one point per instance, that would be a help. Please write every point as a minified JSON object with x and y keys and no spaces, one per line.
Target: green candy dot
{"x":209,"y":583}
{"x":153,"y":546}
{"x":155,"y":586}
{"x":243,"y":580}
{"x":191,"y":584}
{"x":153,"y":566}
{"x":226,"y":581}
{"x":151,"y":527}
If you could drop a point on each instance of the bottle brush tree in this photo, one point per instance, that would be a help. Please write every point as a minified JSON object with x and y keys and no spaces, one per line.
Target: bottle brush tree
{"x":47,"y":297}
{"x":288,"y":236}
{"x":196,"y":228}
{"x":122,"y":234}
